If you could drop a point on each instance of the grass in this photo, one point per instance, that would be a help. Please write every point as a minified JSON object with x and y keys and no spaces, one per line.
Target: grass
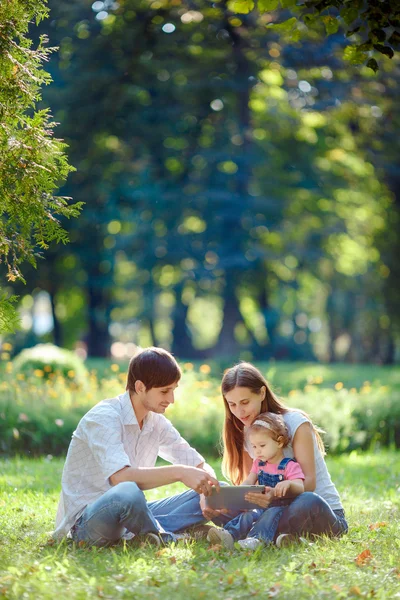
{"x":31,"y":567}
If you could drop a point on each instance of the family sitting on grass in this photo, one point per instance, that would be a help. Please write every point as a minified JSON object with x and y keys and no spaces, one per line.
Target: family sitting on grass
{"x":113,"y":452}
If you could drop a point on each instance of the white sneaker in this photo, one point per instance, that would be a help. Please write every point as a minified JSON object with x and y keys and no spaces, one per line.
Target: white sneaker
{"x":220,"y":536}
{"x":287,"y":539}
{"x":250,"y":544}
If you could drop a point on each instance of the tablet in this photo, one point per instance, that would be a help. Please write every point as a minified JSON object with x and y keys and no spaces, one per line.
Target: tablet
{"x":231,"y":497}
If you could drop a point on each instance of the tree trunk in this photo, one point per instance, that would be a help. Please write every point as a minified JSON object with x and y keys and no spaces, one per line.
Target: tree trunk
{"x":57,"y":329}
{"x":182,"y":345}
{"x":99,"y":306}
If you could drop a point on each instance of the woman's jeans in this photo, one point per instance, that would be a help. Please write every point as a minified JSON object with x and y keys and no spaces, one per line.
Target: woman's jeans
{"x":307,"y":514}
{"x":124,"y":507}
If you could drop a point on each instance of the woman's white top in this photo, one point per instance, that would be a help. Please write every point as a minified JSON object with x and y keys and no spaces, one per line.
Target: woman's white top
{"x":324,"y":486}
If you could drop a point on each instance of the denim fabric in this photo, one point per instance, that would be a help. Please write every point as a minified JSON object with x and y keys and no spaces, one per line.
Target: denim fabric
{"x":270,"y":479}
{"x":307,"y":514}
{"x":124,"y":507}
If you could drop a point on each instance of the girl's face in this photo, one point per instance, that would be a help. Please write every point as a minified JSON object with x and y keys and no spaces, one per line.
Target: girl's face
{"x":245,"y":404}
{"x":265,"y":447}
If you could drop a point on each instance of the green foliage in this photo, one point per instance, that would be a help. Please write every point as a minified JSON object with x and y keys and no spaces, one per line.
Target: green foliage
{"x":33,"y":566}
{"x":38,"y":416}
{"x":369,"y":22}
{"x":32,"y":161}
{"x":49,"y":361}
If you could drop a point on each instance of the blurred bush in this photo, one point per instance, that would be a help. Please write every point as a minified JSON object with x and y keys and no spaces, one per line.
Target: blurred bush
{"x":39,"y":415}
{"x":48,"y":361}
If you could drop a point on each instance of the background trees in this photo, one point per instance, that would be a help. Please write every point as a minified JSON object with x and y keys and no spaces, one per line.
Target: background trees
{"x":32,"y":161}
{"x":234,"y":202}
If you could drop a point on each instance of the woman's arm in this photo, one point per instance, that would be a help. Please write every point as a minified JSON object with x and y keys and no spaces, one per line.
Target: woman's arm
{"x":303,"y":450}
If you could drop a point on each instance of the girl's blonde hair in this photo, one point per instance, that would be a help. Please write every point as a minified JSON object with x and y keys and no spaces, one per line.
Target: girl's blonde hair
{"x":246,"y":375}
{"x":273,"y":426}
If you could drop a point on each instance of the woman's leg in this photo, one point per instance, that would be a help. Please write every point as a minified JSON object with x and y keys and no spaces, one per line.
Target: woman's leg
{"x":310,"y":514}
{"x":124,"y":506}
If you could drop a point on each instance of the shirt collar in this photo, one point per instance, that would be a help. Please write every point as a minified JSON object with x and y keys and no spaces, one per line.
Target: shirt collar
{"x":129,"y":416}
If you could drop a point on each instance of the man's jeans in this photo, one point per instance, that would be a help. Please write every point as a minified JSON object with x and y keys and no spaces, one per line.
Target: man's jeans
{"x":124,"y":507}
{"x":308,"y":514}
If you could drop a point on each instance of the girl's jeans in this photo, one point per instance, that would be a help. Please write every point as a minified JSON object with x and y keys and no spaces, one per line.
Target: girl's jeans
{"x":124,"y":507}
{"x":308,"y":514}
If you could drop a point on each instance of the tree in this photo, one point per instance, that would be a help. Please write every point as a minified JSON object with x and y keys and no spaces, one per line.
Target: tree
{"x":32,"y":161}
{"x":372,"y":28}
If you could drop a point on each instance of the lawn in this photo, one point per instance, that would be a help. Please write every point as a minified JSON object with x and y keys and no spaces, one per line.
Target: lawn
{"x":363,"y":564}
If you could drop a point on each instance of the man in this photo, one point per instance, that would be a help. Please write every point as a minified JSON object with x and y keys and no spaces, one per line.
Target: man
{"x":111,"y":460}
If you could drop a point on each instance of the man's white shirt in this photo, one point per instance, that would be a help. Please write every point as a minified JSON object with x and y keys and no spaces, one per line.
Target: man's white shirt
{"x":107,"y":439}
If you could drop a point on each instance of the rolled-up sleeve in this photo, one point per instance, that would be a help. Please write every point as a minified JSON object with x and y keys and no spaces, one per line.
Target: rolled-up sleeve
{"x":175,"y":449}
{"x":103,"y":435}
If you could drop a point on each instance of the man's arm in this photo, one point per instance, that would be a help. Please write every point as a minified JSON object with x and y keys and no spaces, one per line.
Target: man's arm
{"x":152,"y":477}
{"x":207,"y":468}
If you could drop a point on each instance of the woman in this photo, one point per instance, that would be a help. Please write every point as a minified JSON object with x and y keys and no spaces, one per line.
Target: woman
{"x":318,"y":510}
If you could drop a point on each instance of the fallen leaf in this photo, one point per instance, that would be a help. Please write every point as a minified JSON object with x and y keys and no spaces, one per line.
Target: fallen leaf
{"x":373,"y":526}
{"x":363,"y":558}
{"x":229,"y":579}
{"x":308,"y":580}
{"x":355,"y":591}
{"x":215,"y":547}
{"x":172,"y":560}
{"x":274,"y":590}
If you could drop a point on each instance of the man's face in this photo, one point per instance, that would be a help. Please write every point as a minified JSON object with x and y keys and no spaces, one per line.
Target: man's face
{"x":158,"y":399}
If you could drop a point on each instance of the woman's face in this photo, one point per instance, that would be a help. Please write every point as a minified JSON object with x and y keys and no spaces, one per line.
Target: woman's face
{"x":245,"y":404}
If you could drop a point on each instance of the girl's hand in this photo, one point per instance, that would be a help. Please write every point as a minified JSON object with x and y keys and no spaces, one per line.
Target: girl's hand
{"x":262,"y":500}
{"x":281,"y":488}
{"x":210,"y":513}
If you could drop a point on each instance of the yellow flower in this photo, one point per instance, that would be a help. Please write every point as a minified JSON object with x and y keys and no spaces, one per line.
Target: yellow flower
{"x":47,"y":368}
{"x":5,"y":356}
{"x":205,"y":369}
{"x":20,"y":376}
{"x":71,"y":374}
{"x":7,"y":346}
{"x":188,"y":366}
{"x":339,"y":386}
{"x":114,"y":368}
{"x":9,"y":367}
{"x":318,"y":379}
{"x":38,"y":373}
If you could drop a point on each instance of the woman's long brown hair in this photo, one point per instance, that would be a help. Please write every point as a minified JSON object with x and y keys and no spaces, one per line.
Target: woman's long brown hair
{"x":246,"y":375}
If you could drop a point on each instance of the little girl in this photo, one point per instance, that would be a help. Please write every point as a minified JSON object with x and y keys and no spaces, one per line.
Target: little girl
{"x":268,"y":435}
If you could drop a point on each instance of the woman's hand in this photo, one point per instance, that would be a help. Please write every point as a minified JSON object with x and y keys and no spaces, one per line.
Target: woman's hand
{"x":210,"y":513}
{"x":262,"y":500}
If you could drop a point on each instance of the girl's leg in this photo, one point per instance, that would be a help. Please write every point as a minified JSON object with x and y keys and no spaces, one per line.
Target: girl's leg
{"x":266,"y":526}
{"x":240,"y":526}
{"x":124,"y":506}
{"x":310,"y":514}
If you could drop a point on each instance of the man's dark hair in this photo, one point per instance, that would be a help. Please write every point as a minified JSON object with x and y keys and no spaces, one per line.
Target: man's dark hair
{"x":155,"y":367}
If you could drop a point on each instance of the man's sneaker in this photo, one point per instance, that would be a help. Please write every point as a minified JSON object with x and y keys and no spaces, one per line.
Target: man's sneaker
{"x":198,"y":532}
{"x":250,"y":543}
{"x":151,"y":539}
{"x":287,"y":539}
{"x":220,"y":536}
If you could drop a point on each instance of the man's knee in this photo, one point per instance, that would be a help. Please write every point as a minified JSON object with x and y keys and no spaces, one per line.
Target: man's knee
{"x":128,"y":493}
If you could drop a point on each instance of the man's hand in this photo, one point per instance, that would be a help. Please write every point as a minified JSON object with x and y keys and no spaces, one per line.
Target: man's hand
{"x":262,"y":500}
{"x":281,"y":488}
{"x":197,"y":479}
